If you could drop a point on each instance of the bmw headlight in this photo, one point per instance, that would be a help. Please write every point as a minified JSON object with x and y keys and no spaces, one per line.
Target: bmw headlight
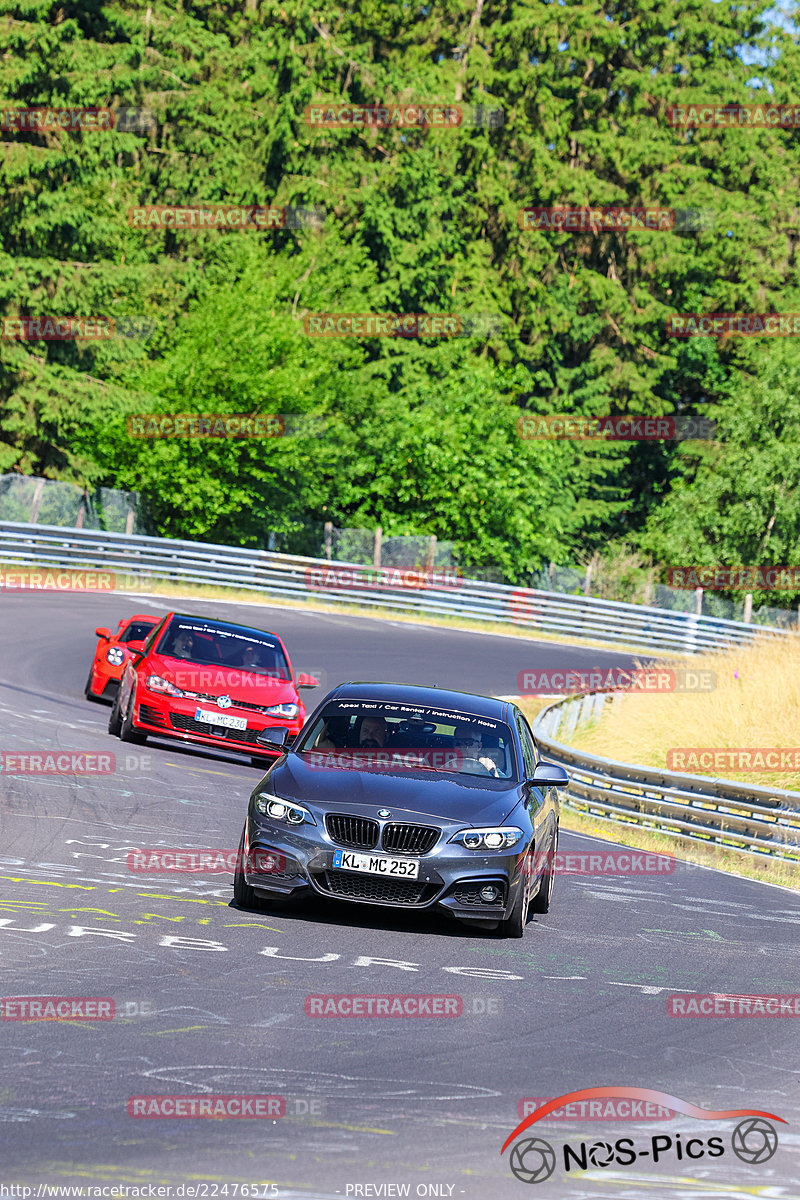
{"x":282,"y":810}
{"x":155,"y":683}
{"x":289,"y":711}
{"x":115,"y":655}
{"x":495,"y":837}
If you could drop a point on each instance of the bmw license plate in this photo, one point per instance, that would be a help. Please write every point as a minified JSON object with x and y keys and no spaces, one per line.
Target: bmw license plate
{"x":376,"y":864}
{"x":216,"y":718}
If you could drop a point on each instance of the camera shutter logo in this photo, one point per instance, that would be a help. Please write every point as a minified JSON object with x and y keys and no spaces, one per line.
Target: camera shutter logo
{"x":754,"y":1140}
{"x":601,"y":1154}
{"x":533,"y":1160}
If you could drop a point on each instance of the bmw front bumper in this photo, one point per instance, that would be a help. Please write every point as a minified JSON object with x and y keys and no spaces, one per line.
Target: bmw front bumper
{"x":300,"y":861}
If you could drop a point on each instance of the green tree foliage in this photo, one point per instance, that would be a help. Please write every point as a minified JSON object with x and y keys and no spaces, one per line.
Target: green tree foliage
{"x":420,"y":435}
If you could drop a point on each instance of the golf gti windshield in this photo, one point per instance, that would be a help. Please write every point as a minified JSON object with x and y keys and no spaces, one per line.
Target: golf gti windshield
{"x":211,"y":644}
{"x":363,"y":735}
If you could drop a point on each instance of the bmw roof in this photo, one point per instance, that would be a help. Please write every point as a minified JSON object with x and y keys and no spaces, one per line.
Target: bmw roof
{"x":432,"y":697}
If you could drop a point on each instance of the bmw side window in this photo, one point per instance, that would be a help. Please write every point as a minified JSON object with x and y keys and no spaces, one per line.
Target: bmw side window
{"x":528,"y":751}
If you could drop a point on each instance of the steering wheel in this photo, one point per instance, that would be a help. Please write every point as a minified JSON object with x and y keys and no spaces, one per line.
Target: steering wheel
{"x":483,"y":770}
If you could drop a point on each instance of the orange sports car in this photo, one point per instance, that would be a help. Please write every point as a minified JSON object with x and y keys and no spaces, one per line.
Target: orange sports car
{"x":113,"y":651}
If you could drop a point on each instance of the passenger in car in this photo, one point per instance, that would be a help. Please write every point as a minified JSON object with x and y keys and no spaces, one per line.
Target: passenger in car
{"x":469,"y":741}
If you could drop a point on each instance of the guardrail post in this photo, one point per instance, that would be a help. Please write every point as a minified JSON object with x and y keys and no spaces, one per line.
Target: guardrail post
{"x":571,"y":709}
{"x":131,"y":513}
{"x":748,"y":608}
{"x":698,"y":601}
{"x":37,"y":500}
{"x":328,"y":539}
{"x":376,"y":553}
{"x":432,"y":552}
{"x":81,"y":511}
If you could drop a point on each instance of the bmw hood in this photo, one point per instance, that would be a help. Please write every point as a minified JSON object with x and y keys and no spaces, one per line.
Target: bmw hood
{"x":417,"y":795}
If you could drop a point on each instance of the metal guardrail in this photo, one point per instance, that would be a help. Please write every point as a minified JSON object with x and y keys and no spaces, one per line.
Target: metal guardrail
{"x":744,"y":817}
{"x":137,"y":557}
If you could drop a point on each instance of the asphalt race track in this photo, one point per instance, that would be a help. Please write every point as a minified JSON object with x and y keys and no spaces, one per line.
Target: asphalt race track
{"x":210,"y":999}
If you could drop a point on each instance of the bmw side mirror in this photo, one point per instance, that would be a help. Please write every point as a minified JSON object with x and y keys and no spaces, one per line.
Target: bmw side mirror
{"x":272,"y":737}
{"x":549,"y":775}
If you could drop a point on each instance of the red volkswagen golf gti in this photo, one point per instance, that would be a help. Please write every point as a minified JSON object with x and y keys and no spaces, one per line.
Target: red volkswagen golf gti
{"x":210,"y":682}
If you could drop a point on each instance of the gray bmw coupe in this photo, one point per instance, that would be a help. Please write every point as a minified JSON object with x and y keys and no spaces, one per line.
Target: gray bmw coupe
{"x":409,"y":797}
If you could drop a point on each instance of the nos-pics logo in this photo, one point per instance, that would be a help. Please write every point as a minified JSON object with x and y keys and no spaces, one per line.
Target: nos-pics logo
{"x":533,"y":1160}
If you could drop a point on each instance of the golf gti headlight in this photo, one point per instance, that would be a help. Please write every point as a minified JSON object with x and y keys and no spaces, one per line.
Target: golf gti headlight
{"x":282,"y":810}
{"x":289,"y":711}
{"x":495,"y":837}
{"x":115,"y":656}
{"x":155,"y":683}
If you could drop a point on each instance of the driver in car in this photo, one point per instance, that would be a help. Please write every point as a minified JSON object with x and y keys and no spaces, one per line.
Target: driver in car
{"x":470,"y":743}
{"x":183,"y":646}
{"x":372,"y":735}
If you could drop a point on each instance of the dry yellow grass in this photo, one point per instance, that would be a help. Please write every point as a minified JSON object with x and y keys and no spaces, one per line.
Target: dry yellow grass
{"x":766,"y":870}
{"x":756,"y":703}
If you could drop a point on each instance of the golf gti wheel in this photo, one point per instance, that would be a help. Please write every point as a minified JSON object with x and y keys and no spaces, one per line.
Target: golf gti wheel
{"x":541,"y":901}
{"x":128,"y":732}
{"x":114,"y":718}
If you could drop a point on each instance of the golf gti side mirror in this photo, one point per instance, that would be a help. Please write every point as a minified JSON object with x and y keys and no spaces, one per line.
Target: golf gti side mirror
{"x":102,"y":632}
{"x":307,"y":681}
{"x":272,"y":737}
{"x":549,"y":775}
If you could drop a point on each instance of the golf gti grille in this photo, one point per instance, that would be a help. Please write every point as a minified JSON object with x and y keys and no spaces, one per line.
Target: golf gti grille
{"x":151,"y":715}
{"x":360,"y":833}
{"x":410,"y":839}
{"x":380,"y":891}
{"x":189,"y":725}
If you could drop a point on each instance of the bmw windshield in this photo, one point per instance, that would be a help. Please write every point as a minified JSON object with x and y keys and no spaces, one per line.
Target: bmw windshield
{"x":365,"y":735}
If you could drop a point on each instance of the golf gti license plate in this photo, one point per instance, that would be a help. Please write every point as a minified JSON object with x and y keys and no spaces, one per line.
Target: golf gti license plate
{"x":375,"y":864}
{"x":212,"y":718}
